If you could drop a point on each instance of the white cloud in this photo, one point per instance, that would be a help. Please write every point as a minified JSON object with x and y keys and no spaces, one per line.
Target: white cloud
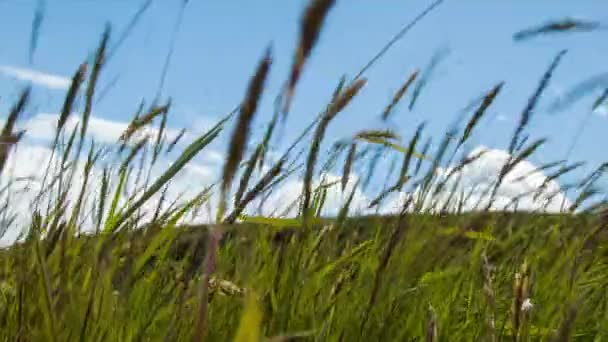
{"x":282,"y":200}
{"x":27,"y":163}
{"x":36,"y":77}
{"x":476,"y":180}
{"x":43,"y":126}
{"x":214,"y":157}
{"x":30,"y":161}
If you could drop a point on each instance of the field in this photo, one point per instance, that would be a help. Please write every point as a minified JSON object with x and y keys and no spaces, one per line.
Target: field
{"x":127,"y":265}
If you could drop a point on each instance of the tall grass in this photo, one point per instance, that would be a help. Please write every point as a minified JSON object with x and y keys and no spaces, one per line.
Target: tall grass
{"x":107,"y":259}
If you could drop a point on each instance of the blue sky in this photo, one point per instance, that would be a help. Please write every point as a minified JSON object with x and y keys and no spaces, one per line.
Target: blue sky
{"x":220,"y":43}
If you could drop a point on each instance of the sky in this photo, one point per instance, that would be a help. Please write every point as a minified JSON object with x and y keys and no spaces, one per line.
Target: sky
{"x":217,"y":45}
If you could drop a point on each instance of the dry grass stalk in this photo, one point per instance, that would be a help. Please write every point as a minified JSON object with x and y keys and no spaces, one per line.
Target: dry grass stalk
{"x":383,"y":195}
{"x":333,"y":109}
{"x":140,"y":121}
{"x":134,"y":151}
{"x":15,"y":111}
{"x":257,"y":190}
{"x":70,"y":97}
{"x":240,"y":135}
{"x":560,"y":26}
{"x":345,"y":97}
{"x":511,"y":163}
{"x":7,"y":137}
{"x":90,"y":92}
{"x":487,"y":101}
{"x":174,"y":142}
{"x":386,"y":134}
{"x":258,"y":156}
{"x":310,"y":28}
{"x":399,"y":94}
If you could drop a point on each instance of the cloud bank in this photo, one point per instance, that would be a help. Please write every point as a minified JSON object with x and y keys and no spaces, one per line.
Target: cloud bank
{"x":472,"y":183}
{"x":38,"y":78}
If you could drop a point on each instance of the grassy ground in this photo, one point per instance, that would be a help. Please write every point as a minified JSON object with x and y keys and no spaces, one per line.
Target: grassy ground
{"x":429,"y":272}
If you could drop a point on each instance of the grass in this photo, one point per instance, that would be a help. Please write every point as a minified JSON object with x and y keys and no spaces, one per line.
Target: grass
{"x":126,"y":266}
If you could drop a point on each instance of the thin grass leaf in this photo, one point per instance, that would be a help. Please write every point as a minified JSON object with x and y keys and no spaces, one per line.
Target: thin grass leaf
{"x":174,"y":34}
{"x":511,"y":163}
{"x":397,"y":37}
{"x":141,"y":121}
{"x":185,"y":157}
{"x":7,"y":136}
{"x":257,"y":190}
{"x":399,"y":94}
{"x":130,"y":26}
{"x":348,"y":164}
{"x":134,"y":152}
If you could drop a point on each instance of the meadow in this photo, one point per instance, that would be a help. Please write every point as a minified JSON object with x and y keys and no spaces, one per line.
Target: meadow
{"x":127,"y":265}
